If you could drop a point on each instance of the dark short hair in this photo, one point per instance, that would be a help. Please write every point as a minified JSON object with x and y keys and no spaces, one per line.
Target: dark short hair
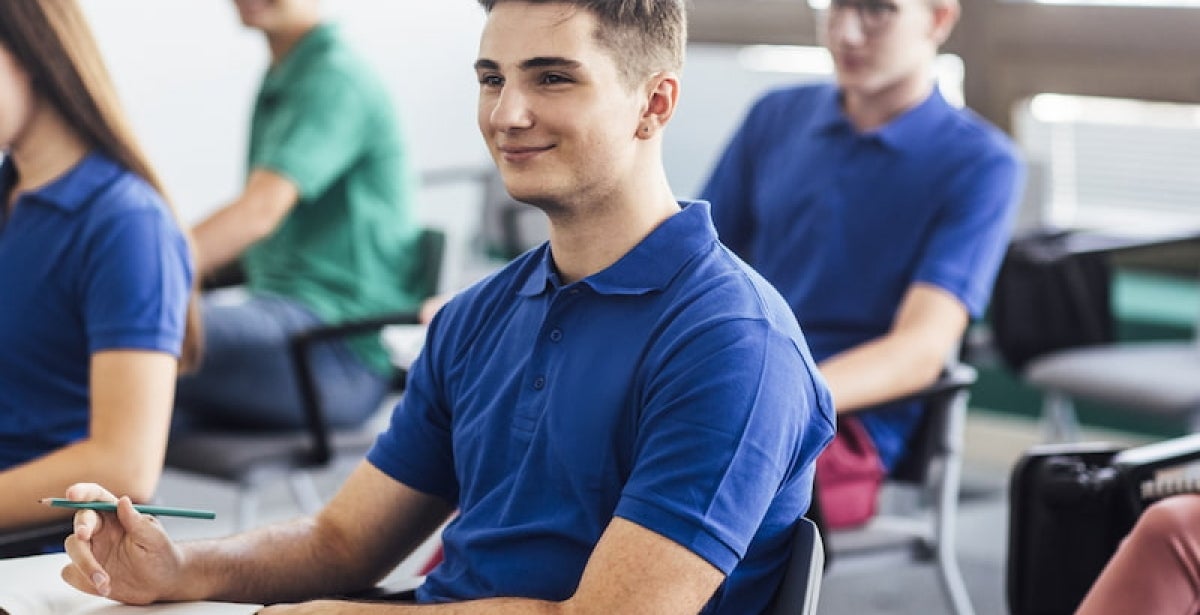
{"x":644,"y":36}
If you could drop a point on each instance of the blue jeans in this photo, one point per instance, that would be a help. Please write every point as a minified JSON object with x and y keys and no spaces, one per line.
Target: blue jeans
{"x":246,"y":379}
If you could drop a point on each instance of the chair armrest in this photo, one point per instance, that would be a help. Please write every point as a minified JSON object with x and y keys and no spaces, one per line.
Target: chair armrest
{"x":933,"y":436}
{"x":952,"y":379}
{"x":302,"y":343}
{"x":1168,"y":453}
{"x":30,"y":540}
{"x":231,"y":274}
{"x":399,"y":590}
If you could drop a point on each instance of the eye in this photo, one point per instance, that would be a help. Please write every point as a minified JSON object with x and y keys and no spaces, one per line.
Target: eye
{"x":878,"y":9}
{"x":555,"y":79}
{"x":491,"y":80}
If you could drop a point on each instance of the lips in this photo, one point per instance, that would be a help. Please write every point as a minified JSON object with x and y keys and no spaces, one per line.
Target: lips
{"x":520,"y":153}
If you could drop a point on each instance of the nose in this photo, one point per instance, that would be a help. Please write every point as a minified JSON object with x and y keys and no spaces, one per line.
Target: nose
{"x":511,"y":110}
{"x":845,"y":27}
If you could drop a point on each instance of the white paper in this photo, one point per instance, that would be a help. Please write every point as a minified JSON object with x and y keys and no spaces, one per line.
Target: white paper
{"x":34,"y":586}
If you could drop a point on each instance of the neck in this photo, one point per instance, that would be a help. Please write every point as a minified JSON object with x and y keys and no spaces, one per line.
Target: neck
{"x":868,"y":111}
{"x":591,"y":236}
{"x":283,"y":40}
{"x":46,"y":149}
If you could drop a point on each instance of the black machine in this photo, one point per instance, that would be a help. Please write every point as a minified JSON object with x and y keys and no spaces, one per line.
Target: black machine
{"x":1071,"y":504}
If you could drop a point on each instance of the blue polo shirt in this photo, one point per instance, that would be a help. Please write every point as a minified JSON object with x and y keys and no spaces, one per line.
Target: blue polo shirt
{"x":843,"y":222}
{"x":91,"y":261}
{"x":672,"y":389}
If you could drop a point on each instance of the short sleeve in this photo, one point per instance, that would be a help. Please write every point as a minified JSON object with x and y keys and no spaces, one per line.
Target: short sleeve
{"x":137,"y":282}
{"x":721,"y":435}
{"x":417,"y":447}
{"x":315,"y":134}
{"x":964,"y":252}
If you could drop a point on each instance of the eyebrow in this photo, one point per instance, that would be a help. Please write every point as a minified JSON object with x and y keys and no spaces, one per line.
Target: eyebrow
{"x":531,"y":63}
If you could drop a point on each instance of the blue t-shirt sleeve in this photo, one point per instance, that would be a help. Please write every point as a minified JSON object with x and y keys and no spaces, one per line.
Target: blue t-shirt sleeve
{"x":137,"y":282}
{"x":964,"y":252}
{"x":417,"y":448}
{"x":719,"y":435}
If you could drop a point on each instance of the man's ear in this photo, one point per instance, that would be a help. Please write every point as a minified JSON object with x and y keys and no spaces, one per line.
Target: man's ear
{"x":945,"y":16}
{"x":662,"y":94}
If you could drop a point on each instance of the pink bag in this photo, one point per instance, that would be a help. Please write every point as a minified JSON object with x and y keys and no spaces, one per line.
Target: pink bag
{"x":849,"y":475}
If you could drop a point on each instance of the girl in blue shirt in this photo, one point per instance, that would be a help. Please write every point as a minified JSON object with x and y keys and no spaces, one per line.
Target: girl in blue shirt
{"x":95,"y":275}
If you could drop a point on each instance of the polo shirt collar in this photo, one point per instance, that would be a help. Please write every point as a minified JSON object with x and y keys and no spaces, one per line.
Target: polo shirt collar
{"x":910,"y":129}
{"x":315,"y":42}
{"x":72,"y":189}
{"x":827,"y":115}
{"x":649,"y":266}
{"x":905,"y":132}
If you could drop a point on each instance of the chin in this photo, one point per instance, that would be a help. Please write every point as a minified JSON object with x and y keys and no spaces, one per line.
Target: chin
{"x":536,"y":195}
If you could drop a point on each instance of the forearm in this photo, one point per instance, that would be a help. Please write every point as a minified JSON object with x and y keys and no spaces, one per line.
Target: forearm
{"x":284,"y":562}
{"x":928,"y":326}
{"x":369,"y":526}
{"x":255,"y":214}
{"x":222,"y":237}
{"x":129,"y":473}
{"x":879,"y":370}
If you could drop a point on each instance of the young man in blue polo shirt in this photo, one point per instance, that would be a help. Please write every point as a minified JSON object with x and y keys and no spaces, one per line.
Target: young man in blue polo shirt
{"x":880,"y":212}
{"x":626,"y":417}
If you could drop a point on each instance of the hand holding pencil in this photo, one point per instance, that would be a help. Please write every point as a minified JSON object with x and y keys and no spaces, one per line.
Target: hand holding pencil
{"x":123,"y":555}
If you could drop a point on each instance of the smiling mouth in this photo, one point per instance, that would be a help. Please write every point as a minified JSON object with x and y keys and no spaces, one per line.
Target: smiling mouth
{"x":518,"y":154}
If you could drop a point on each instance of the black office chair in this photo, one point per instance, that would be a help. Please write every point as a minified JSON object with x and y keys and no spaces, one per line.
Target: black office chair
{"x":931,"y":468}
{"x":36,"y":539}
{"x":1053,"y":323}
{"x":800,"y":589}
{"x":250,"y":459}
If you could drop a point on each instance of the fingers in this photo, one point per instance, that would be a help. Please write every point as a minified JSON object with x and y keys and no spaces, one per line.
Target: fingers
{"x":89,"y":492}
{"x":130,"y":518}
{"x":84,"y":572}
{"x":88,"y":522}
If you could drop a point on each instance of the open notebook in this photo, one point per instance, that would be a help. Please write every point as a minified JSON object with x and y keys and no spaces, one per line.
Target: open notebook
{"x":33,"y":586}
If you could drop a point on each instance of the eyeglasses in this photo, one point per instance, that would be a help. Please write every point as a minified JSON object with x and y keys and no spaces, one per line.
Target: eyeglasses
{"x":873,"y":15}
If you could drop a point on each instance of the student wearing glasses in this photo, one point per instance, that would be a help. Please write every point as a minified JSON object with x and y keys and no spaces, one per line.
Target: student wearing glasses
{"x":881,"y":213}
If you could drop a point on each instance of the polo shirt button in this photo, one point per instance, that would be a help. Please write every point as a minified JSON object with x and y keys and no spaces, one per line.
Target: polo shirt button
{"x":539,"y":383}
{"x":556,"y":335}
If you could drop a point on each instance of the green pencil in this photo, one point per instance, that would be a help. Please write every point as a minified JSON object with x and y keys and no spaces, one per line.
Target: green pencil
{"x":165,"y":511}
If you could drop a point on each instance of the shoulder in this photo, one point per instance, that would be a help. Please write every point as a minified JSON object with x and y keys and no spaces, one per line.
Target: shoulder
{"x":127,"y":196}
{"x":473,"y":309}
{"x":718,"y":289}
{"x":130,"y":210}
{"x":340,"y":66}
{"x":970,"y":138}
{"x":796,"y":96}
{"x":789,"y":103}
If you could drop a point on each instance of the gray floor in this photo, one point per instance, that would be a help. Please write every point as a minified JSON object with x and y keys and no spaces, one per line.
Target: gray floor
{"x":877,"y":584}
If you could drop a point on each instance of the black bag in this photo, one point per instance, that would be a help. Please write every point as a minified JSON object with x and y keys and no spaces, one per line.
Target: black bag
{"x":1067,"y":516}
{"x":1048,"y":299}
{"x":1070,"y":507}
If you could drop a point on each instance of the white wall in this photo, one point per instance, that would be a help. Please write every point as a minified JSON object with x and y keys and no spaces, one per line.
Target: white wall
{"x":187,"y":72}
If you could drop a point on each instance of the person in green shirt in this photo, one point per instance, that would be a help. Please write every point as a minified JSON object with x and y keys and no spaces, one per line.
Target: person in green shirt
{"x":323,"y":231}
